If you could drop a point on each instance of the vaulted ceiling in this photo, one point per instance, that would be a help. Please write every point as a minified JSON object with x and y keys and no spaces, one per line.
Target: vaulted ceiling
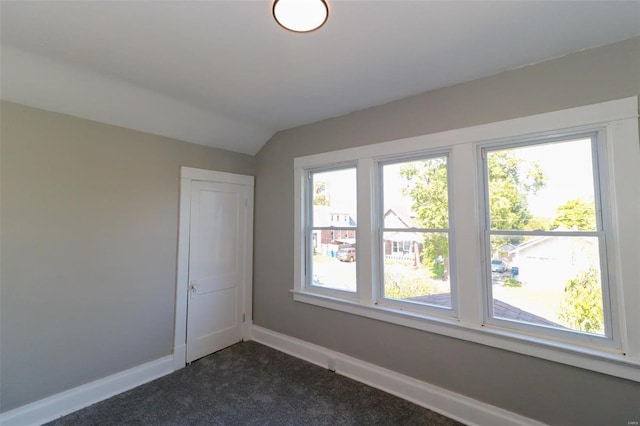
{"x":224,"y":74}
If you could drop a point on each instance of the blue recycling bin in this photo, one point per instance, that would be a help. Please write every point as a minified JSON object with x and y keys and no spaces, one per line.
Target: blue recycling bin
{"x":515,"y":271}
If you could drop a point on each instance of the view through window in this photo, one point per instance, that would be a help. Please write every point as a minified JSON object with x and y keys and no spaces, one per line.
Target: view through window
{"x":544,"y":235}
{"x":415,"y":236}
{"x":333,"y":229}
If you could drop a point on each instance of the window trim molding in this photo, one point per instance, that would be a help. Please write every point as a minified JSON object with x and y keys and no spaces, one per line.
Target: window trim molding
{"x":618,"y":118}
{"x":403,"y":305}
{"x":309,"y":228}
{"x":597,"y":136}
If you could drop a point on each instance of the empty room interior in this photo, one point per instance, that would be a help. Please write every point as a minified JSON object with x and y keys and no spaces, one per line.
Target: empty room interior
{"x":437,"y":200}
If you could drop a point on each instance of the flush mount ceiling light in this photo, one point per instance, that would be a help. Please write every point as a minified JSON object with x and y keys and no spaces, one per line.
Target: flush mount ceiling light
{"x":300,"y":16}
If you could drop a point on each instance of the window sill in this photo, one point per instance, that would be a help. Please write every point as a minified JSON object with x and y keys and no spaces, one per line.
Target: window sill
{"x":611,"y":363}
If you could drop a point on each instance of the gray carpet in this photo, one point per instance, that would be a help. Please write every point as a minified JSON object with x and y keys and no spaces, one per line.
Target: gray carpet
{"x":251,"y":384}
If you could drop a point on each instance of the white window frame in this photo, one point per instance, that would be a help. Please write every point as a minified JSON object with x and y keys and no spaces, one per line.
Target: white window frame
{"x":599,"y":160}
{"x":378,"y":284}
{"x":335,"y":233}
{"x":617,"y":123}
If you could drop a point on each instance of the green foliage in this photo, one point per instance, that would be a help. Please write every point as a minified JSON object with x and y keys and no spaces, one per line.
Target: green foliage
{"x":438,"y":270}
{"x":427,"y":186}
{"x":512,"y":282}
{"x":581,"y":307}
{"x":399,"y":285}
{"x":320,"y":194}
{"x":511,"y":180}
{"x":578,"y":213}
{"x":537,"y":223}
{"x":434,"y":245}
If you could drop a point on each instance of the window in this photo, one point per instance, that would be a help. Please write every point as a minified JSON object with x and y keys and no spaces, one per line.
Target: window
{"x":544,"y":242}
{"x":521,"y":235}
{"x":332,"y":267}
{"x":415,"y":232}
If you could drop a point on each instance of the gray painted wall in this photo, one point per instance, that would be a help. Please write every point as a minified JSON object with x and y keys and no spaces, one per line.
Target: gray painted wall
{"x":89,"y":245}
{"x":542,"y":390}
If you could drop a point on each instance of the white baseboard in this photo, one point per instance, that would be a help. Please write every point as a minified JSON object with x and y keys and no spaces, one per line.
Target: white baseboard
{"x":450,"y":404}
{"x":66,"y":402}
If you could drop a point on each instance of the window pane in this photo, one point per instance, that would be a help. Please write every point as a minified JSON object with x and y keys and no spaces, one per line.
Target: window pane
{"x":416,"y":267}
{"x":334,"y":198}
{"x":334,"y":265}
{"x":546,"y":280}
{"x":415,"y":194}
{"x":542,"y":187}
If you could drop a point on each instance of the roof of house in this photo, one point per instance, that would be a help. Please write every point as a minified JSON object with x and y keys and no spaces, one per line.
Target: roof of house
{"x":500,"y":309}
{"x":405,"y":216}
{"x":322,"y":216}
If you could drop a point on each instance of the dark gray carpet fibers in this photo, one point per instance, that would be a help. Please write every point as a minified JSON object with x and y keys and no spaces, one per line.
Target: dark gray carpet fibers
{"x":251,"y":384}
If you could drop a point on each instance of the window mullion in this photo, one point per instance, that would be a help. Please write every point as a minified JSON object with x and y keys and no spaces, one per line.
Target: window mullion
{"x":367,"y":235}
{"x":464,"y":225}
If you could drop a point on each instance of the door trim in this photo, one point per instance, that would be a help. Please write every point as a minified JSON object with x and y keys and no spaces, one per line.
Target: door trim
{"x":188,"y":175}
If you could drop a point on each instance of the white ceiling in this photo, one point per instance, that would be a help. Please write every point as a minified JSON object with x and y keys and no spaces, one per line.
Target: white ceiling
{"x":224,"y":74}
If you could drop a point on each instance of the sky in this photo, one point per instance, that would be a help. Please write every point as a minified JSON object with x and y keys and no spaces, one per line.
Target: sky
{"x":569,"y":171}
{"x":341,"y":187}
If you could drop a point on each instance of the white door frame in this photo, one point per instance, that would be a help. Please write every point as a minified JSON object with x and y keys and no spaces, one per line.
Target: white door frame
{"x":188,"y":175}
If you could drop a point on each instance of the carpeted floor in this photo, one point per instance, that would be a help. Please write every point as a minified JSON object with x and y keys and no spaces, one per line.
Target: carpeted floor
{"x":251,"y":384}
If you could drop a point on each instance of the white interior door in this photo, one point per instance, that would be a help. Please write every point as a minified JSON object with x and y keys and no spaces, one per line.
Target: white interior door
{"x":217,"y":267}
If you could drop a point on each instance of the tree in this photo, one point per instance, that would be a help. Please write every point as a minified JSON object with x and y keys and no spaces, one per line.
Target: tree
{"x":320,"y":194}
{"x":427,"y":186}
{"x":581,"y":307}
{"x":578,"y":213}
{"x":511,"y":181}
{"x":537,"y":223}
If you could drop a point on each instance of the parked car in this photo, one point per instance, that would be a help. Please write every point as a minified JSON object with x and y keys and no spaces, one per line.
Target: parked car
{"x":347,"y":254}
{"x":498,"y":265}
